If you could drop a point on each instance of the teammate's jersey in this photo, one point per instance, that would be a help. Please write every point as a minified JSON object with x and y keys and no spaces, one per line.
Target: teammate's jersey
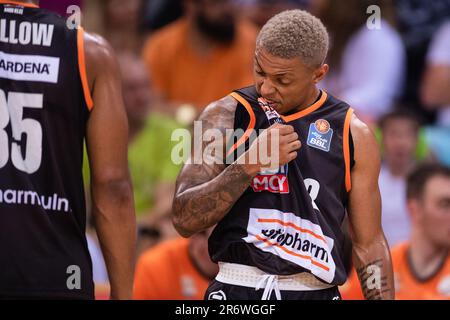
{"x":44,"y":107}
{"x":289,"y":220}
{"x":408,"y":285}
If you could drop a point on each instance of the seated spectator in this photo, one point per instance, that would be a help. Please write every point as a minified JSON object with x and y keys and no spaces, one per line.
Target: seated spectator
{"x":435,"y":91}
{"x":178,"y":269}
{"x":422,"y":264}
{"x":366,"y":65}
{"x":399,"y":136}
{"x":203,"y":56}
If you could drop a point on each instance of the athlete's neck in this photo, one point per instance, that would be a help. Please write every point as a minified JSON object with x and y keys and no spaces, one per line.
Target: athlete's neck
{"x":311,"y":98}
{"x":424,"y":256}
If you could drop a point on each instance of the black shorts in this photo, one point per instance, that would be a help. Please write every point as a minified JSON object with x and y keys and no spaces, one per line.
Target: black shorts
{"x":222,"y":291}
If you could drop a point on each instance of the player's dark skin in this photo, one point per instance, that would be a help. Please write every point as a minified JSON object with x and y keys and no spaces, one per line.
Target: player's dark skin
{"x":206,"y":192}
{"x":111,"y":190}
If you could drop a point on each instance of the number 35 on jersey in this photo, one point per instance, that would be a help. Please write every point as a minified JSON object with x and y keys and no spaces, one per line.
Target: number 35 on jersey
{"x":28,"y":158}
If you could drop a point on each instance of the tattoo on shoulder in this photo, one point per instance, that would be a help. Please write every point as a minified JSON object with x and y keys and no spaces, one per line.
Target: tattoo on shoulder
{"x":219,"y":115}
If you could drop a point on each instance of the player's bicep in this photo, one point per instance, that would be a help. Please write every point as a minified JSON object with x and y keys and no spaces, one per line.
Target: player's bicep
{"x":364,"y":198}
{"x":208,"y":153}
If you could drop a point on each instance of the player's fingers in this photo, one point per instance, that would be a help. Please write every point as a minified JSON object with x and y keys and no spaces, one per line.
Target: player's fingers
{"x":292,"y":156}
{"x":294,"y":145}
{"x":286,"y":129}
{"x":291,"y":137}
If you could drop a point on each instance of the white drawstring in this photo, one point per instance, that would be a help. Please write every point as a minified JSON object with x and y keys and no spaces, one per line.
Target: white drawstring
{"x":269,"y":283}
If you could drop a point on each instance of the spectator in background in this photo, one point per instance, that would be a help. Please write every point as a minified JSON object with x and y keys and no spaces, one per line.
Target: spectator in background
{"x":260,"y":11}
{"x":418,"y":21}
{"x":149,"y":154}
{"x":203,"y":56}
{"x":366,"y":65}
{"x":159,"y":13}
{"x":150,"y":144}
{"x":177,"y":269}
{"x":421,"y":265}
{"x":120,"y":22}
{"x":435,"y":91}
{"x":400,"y":131}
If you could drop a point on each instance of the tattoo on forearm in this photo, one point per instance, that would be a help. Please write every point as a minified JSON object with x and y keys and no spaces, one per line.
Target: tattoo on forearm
{"x":373,"y":283}
{"x":205,"y":205}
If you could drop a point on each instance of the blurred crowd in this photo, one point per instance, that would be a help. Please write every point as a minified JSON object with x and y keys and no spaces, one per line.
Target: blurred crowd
{"x":176,"y":56}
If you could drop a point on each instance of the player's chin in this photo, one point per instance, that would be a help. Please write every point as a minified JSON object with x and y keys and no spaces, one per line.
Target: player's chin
{"x":281,"y":109}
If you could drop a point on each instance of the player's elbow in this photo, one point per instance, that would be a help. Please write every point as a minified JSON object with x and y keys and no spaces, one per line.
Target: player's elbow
{"x":112,"y":199}
{"x":179,"y":221}
{"x":182,"y":228}
{"x":182,"y":231}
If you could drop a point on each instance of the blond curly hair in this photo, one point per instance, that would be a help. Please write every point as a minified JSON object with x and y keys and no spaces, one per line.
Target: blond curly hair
{"x":295,"y":33}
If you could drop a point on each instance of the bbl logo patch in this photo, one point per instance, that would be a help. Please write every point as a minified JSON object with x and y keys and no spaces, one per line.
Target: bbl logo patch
{"x":320,"y":135}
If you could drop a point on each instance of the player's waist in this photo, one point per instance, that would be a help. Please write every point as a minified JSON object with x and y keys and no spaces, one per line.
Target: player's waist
{"x":252,"y":277}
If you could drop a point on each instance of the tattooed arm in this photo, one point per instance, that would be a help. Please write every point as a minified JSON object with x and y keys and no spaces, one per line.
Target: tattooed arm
{"x":371,"y":256}
{"x":206,"y":192}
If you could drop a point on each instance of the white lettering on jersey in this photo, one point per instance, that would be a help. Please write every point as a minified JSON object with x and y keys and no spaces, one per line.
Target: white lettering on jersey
{"x":25,"y":33}
{"x":292,"y":238}
{"x":313,"y":187}
{"x":29,"y":67}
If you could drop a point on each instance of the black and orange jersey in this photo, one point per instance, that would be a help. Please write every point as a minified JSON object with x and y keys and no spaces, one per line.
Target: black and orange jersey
{"x":289,"y":220}
{"x":44,"y":107}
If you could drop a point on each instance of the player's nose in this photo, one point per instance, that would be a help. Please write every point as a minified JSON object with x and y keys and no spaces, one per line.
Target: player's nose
{"x":267,"y":88}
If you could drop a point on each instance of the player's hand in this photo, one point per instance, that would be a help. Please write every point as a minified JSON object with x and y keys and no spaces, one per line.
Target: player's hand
{"x":276,"y":146}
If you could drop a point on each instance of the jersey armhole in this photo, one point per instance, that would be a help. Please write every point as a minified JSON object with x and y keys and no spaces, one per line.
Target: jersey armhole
{"x":82,"y":69}
{"x":348,"y":151}
{"x":251,"y":124}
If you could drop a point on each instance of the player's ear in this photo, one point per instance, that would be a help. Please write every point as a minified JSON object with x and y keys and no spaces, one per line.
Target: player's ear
{"x":414,"y":209}
{"x":320,"y":73}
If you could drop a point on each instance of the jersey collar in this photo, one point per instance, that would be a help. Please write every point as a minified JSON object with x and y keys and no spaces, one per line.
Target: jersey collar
{"x":310,"y":109}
